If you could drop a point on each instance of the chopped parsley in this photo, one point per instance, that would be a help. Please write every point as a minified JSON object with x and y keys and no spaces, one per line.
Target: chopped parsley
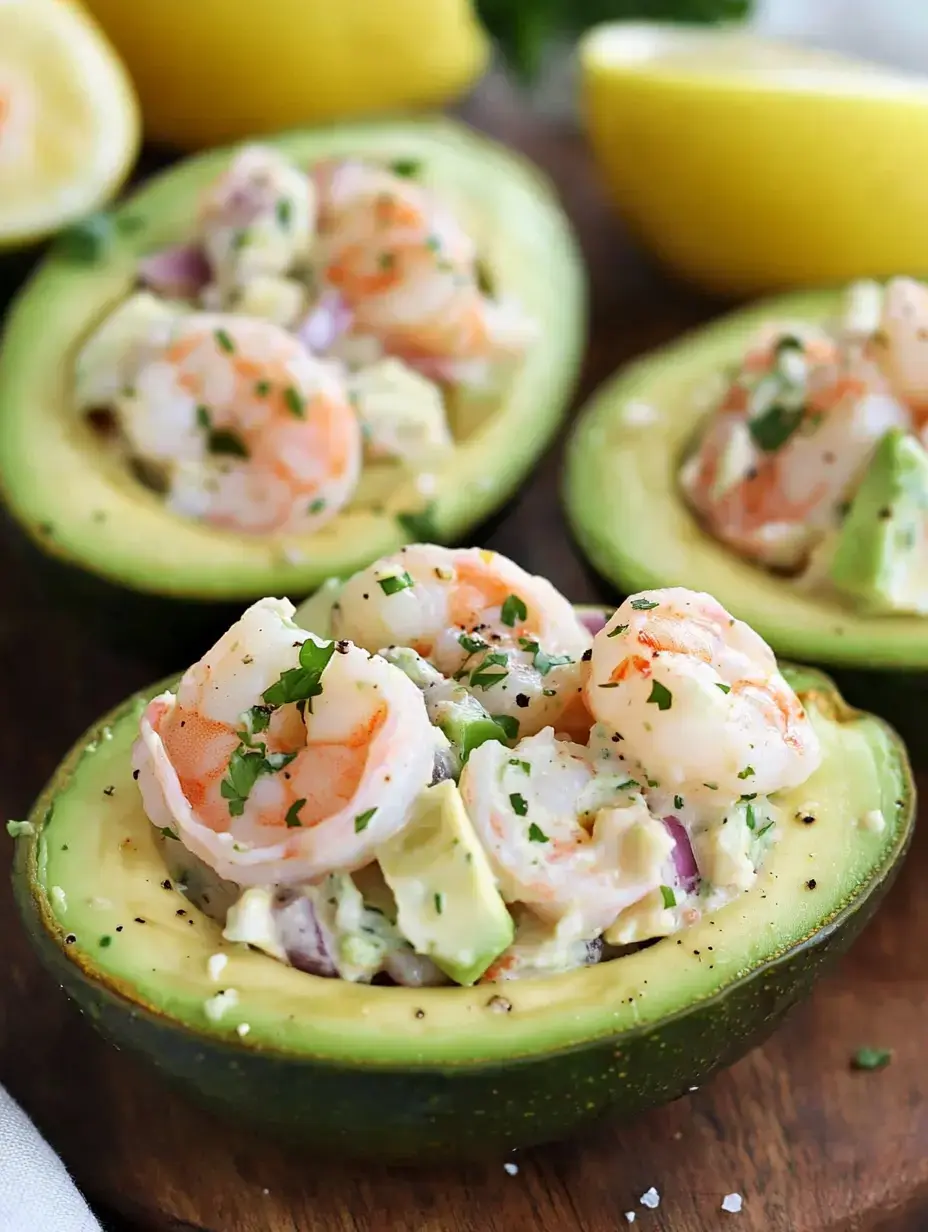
{"x":763,"y":830}
{"x":224,"y":441}
{"x":482,"y":677}
{"x":296,"y":403}
{"x":725,"y":688}
{"x":667,"y":894}
{"x":262,"y":388}
{"x":471,"y":644}
{"x":408,"y":168}
{"x":628,"y":783}
{"x":420,"y":525}
{"x":254,"y":721}
{"x":678,"y":802}
{"x":245,"y":768}
{"x":386,"y":260}
{"x":519,"y":804}
{"x":439,"y":903}
{"x":509,"y":725}
{"x":746,"y":773}
{"x":301,"y":684}
{"x":362,"y":820}
{"x":660,"y":696}
{"x":316,"y":506}
{"x":617,"y":630}
{"x":224,"y":341}
{"x":541,"y":660}
{"x":749,"y":818}
{"x":773,"y":429}
{"x":520,"y":765}
{"x":513,"y":610}
{"x":871,"y":1058}
{"x":167,"y":832}
{"x":203,"y":420}
{"x":284,"y":211}
{"x":536,"y":834}
{"x":395,"y":583}
{"x":644,"y":605}
{"x":293,"y":814}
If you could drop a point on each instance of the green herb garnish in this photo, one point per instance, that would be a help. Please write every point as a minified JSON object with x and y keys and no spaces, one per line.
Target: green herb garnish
{"x":519,"y":804}
{"x":420,"y":525}
{"x":678,"y":802}
{"x":746,"y":773}
{"x":245,"y":768}
{"x":296,"y":403}
{"x":667,"y":894}
{"x":660,"y":696}
{"x":224,"y":441}
{"x":284,"y":211}
{"x":536,"y":834}
{"x":224,"y":341}
{"x":262,"y":388}
{"x":396,"y":582}
{"x":617,"y":630}
{"x":439,"y":904}
{"x":316,"y":506}
{"x":749,"y":819}
{"x":483,"y":678}
{"x":644,"y":605}
{"x":203,"y":420}
{"x":773,"y":429}
{"x":871,"y":1058}
{"x":293,"y":814}
{"x":725,"y":688}
{"x":408,"y":168}
{"x":471,"y":643}
{"x":301,"y":684}
{"x":362,"y":820}
{"x":509,"y":725}
{"x":520,"y":765}
{"x":512,"y":611}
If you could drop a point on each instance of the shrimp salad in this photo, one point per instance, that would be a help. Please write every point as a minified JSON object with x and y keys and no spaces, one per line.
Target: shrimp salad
{"x":794,"y":445}
{"x":321,"y":321}
{"x":602,"y":785}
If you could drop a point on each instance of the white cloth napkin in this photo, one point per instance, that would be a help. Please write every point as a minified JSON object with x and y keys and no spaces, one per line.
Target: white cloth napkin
{"x":36,"y":1193}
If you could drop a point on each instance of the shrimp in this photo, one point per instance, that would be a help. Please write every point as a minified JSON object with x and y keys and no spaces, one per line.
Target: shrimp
{"x":256,"y":221}
{"x":789,"y":446}
{"x":510,"y":638}
{"x":575,"y":848}
{"x":246,"y":428}
{"x":900,"y":344}
{"x":282,"y":758}
{"x":696,"y":698}
{"x":407,"y":269}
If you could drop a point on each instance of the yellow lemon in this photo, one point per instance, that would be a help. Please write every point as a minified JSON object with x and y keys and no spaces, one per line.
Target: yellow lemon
{"x":212,"y":71}
{"x":69,"y":123}
{"x":750,"y":166}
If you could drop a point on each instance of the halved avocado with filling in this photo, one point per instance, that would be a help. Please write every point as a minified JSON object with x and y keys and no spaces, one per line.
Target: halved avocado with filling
{"x":412,"y":1073}
{"x":627,"y":510}
{"x":80,"y":501}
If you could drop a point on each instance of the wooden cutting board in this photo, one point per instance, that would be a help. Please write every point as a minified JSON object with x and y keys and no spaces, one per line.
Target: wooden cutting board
{"x":811,"y":1145}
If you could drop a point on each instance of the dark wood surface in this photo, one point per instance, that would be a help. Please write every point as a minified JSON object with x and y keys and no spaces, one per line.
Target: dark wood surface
{"x":811,"y":1145}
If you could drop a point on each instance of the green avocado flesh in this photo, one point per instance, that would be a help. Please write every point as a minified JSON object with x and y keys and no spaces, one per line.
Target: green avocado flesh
{"x":402,"y":1072}
{"x":79,"y":501}
{"x":629,"y":515}
{"x":881,"y":558}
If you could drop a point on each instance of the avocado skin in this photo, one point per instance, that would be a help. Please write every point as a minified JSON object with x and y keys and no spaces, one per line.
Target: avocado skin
{"x":426,"y":1113}
{"x":478,"y":1112}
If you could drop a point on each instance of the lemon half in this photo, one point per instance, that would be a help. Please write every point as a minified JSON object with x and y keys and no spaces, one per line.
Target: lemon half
{"x":749,"y":165}
{"x":69,"y":121}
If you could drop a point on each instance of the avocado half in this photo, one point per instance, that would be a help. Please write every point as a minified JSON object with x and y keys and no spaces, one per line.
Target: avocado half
{"x":81,"y":504}
{"x":403,"y":1073}
{"x":629,"y":516}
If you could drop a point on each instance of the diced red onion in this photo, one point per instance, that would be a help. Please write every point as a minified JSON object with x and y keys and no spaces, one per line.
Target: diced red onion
{"x":593,"y":619}
{"x":684,"y":859}
{"x":412,"y":970}
{"x":325,"y":323}
{"x":302,"y":936}
{"x":182,"y":271}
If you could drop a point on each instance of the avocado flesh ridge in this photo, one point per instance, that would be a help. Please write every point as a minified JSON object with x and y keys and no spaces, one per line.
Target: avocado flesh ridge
{"x":83,"y":505}
{"x":627,"y":510}
{"x":881,"y":558}
{"x":99,"y":849}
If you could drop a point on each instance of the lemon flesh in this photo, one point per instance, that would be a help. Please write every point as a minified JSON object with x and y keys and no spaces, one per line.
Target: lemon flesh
{"x":212,"y":71}
{"x":749,"y":165}
{"x":69,"y":125}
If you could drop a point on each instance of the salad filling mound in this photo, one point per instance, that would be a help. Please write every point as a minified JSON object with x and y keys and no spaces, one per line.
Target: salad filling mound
{"x":453,"y":776}
{"x":814,"y":461}
{"x":322,"y":322}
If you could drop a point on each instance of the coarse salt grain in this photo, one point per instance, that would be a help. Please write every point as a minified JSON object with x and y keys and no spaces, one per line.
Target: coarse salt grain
{"x":242,"y":1029}
{"x":630,"y":1216}
{"x":874,"y":820}
{"x":215,"y":965}
{"x":732,"y":1203}
{"x":216,"y":1006}
{"x":651,"y":1199}
{"x":636,"y":412}
{"x":512,"y":1169}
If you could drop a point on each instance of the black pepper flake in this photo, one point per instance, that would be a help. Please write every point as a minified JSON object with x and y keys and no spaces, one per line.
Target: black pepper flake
{"x":587,"y":655}
{"x":807,"y":819}
{"x":365,"y":596}
{"x":135,"y":774}
{"x":342,"y":647}
{"x":500,"y":1005}
{"x":119,"y":928}
{"x":139,"y":920}
{"x":885,"y":513}
{"x":811,"y":883}
{"x":166,"y":885}
{"x":522,"y":700}
{"x":420,"y":1013}
{"x":70,"y":939}
{"x":108,"y":791}
{"x":180,"y":911}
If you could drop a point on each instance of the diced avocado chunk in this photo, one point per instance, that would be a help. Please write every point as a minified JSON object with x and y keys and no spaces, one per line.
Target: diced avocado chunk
{"x":315,"y":613}
{"x":448,"y":906}
{"x":881,"y":558}
{"x":458,"y":713}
